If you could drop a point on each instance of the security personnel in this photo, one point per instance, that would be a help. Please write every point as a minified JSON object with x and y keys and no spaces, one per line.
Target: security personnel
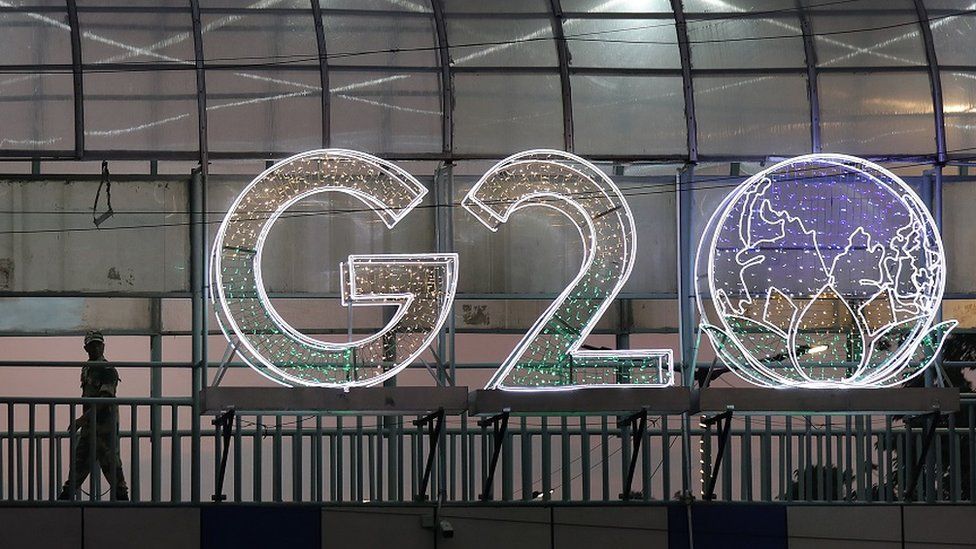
{"x":98,"y":379}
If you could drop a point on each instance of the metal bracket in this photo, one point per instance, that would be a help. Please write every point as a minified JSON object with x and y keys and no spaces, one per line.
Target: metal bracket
{"x":724,"y":422}
{"x":927,"y":436}
{"x":499,"y":426}
{"x":637,"y":423}
{"x":435,"y":426}
{"x":224,"y":422}
{"x":225,"y":360}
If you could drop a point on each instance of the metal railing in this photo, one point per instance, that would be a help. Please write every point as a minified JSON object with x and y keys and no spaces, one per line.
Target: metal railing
{"x":327,"y":458}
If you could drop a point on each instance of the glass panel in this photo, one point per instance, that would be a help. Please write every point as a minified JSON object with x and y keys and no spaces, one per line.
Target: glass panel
{"x":953,"y":38}
{"x":264,"y":110}
{"x":136,"y":37}
{"x":347,"y":37}
{"x":477,"y":42}
{"x":306,"y":245}
{"x":752,"y":115}
{"x":746,"y":43}
{"x":653,"y":206}
{"x":54,"y":245}
{"x":419,"y":6}
{"x":632,"y":6}
{"x":141,"y":110}
{"x":496,"y":6}
{"x":629,"y":115}
{"x":537,"y":251}
{"x":604,"y":43}
{"x":958,"y":235}
{"x":72,"y":314}
{"x":845,"y":41}
{"x":877,"y":113}
{"x":34,"y":39}
{"x":260,"y":38}
{"x":377,"y":113}
{"x":256,"y":4}
{"x":738,"y":6}
{"x":959,"y":106}
{"x":37,"y":111}
{"x":507,"y":113}
{"x":129,"y":3}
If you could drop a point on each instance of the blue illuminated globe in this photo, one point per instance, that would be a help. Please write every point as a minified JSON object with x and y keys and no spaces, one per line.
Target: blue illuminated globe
{"x":822,"y":271}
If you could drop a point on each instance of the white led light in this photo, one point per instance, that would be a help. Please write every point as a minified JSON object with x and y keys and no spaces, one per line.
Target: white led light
{"x":549,"y":355}
{"x":421,"y":285}
{"x":822,"y":271}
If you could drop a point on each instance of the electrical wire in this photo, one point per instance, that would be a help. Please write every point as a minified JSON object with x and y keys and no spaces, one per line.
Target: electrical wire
{"x":661,"y":188}
{"x":285,"y":60}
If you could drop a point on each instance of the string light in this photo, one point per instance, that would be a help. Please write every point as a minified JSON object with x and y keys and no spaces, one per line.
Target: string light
{"x":822,"y":271}
{"x":421,"y":285}
{"x":549,"y":355}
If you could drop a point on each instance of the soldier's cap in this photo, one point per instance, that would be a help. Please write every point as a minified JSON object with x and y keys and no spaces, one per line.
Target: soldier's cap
{"x":94,"y":335}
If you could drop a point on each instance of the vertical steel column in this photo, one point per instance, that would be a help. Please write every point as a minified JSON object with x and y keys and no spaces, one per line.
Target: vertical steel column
{"x":156,"y":391}
{"x":686,"y":275}
{"x":935,"y":81}
{"x":198,"y":317}
{"x":198,"y":253}
{"x":444,"y":235}
{"x":447,"y":84}
{"x":562,"y":54}
{"x":684,"y":51}
{"x":324,"y":72}
{"x":78,"y":79}
{"x":813,"y":96}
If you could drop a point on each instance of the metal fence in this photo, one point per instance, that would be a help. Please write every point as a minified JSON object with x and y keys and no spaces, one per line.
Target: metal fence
{"x":328,"y":458}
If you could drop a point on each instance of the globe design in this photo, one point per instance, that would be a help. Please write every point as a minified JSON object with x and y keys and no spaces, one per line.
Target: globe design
{"x":822,"y":271}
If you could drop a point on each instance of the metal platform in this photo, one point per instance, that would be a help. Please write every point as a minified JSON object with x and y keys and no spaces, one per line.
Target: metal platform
{"x":357,"y":400}
{"x":588,"y":400}
{"x":911,"y":400}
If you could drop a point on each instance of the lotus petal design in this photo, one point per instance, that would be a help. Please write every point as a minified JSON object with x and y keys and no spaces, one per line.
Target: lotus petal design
{"x":823,"y":271}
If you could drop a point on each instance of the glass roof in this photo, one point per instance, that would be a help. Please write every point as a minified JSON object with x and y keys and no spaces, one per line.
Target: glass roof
{"x":455,"y":79}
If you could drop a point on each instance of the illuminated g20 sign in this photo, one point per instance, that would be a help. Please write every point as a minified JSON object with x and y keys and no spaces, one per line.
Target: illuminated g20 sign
{"x":822,"y":271}
{"x":423,"y":285}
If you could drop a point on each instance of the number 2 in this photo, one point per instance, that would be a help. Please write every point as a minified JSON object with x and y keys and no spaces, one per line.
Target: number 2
{"x":549,"y":355}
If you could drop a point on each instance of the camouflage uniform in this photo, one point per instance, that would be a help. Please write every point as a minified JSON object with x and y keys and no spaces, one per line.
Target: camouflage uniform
{"x":98,"y":380}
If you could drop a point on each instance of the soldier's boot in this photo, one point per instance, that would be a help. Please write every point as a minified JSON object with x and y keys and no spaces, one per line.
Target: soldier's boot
{"x":122,"y":493}
{"x":65,"y":495}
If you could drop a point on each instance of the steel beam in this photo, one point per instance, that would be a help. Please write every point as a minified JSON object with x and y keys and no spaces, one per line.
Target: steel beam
{"x":447,"y":84}
{"x":813,"y":96}
{"x":608,"y":400}
{"x":78,"y":79}
{"x":198,"y":251}
{"x":562,"y":54}
{"x":852,"y":401}
{"x":379,"y":400}
{"x":686,"y":272}
{"x":684,"y":51}
{"x":935,"y":81}
{"x":324,"y":70}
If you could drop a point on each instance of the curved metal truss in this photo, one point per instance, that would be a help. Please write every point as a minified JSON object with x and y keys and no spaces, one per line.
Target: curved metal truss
{"x":794,"y":19}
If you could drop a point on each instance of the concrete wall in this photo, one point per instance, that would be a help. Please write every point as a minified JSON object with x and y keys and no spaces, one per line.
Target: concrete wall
{"x":722,"y":526}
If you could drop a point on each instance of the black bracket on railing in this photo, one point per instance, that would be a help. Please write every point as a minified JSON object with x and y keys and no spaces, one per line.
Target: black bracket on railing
{"x":637,"y":423}
{"x":932,"y":421}
{"x":435,"y":425}
{"x":224,"y":422}
{"x":724,"y":421}
{"x":499,"y":426}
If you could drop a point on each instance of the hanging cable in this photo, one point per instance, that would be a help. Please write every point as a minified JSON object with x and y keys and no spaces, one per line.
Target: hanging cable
{"x":107,"y":183}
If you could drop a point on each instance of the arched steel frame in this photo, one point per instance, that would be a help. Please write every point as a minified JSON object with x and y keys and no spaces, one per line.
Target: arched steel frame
{"x":940,"y":154}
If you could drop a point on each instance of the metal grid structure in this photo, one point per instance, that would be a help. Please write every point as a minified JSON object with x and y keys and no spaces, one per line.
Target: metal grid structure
{"x":120,"y":93}
{"x":446,"y":55}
